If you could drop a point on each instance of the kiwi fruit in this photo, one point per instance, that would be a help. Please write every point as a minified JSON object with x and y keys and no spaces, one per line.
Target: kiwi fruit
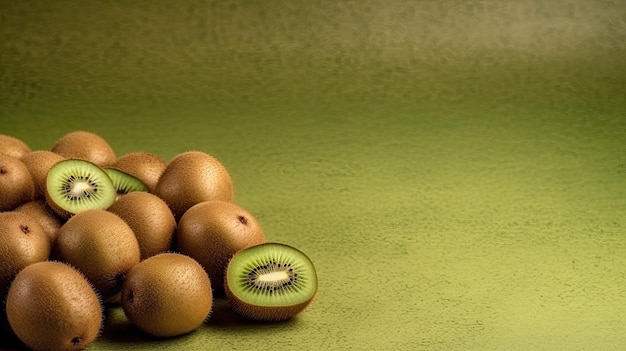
{"x":75,"y":185}
{"x":23,"y":242}
{"x":50,"y":221}
{"x":270,"y":282}
{"x":101,"y":245}
{"x":193,"y":177}
{"x":143,"y":165}
{"x":16,"y":183}
{"x":212,"y":231}
{"x":85,"y":145}
{"x":124,"y":183}
{"x":13,"y":146}
{"x":39,"y":163}
{"x":167,"y":295}
{"x":150,"y":219}
{"x":51,"y":306}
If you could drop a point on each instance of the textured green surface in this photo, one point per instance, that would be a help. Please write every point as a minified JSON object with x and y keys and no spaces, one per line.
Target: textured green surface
{"x":455,"y":169}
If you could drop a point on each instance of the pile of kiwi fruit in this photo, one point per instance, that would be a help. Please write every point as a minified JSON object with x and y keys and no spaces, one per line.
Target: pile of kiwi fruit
{"x":83,"y":230}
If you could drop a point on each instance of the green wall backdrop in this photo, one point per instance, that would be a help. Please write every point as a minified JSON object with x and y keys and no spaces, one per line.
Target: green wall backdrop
{"x":455,"y":169}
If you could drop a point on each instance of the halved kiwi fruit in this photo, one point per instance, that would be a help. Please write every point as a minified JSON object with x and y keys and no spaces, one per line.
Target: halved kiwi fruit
{"x":74,"y":185}
{"x":270,"y":282}
{"x":125,"y":183}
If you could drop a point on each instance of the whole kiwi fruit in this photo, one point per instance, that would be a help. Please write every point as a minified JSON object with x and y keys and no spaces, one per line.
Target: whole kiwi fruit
{"x":16,"y":183}
{"x":74,"y":185}
{"x":12,"y":146}
{"x":23,"y":241}
{"x":50,"y":221}
{"x":150,"y":219}
{"x":212,"y":231}
{"x":99,"y":244}
{"x":143,"y":165}
{"x":193,"y":177}
{"x":270,"y":282}
{"x":166,"y":295}
{"x":85,"y":145}
{"x":39,"y":163}
{"x":51,"y":306}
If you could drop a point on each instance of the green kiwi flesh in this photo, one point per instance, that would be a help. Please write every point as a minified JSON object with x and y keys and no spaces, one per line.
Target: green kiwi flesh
{"x":74,"y":185}
{"x":270,"y":281}
{"x":125,"y":183}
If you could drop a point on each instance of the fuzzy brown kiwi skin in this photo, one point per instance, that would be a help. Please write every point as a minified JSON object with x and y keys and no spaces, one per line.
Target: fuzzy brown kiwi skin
{"x":101,"y":245}
{"x":39,"y":162}
{"x":49,"y":220}
{"x":193,"y":177}
{"x":152,"y":295}
{"x":85,"y":145}
{"x":212,"y":231}
{"x":145,"y":166}
{"x":24,"y":242}
{"x":16,"y":183}
{"x":265,"y":313}
{"x":13,"y":146}
{"x":64,"y":311}
{"x":150,"y":219}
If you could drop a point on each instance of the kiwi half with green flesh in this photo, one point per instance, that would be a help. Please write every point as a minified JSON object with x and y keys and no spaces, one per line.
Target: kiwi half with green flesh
{"x":74,"y":185}
{"x":125,"y":183}
{"x":270,"y":282}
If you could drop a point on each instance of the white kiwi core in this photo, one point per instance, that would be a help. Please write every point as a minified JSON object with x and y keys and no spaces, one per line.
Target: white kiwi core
{"x":80,"y":187}
{"x":273,"y":277}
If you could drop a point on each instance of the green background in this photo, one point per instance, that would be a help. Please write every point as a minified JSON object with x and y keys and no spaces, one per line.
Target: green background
{"x":455,"y":169}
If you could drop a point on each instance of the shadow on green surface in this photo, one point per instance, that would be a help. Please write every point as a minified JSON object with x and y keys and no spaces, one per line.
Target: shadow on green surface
{"x":224,"y":318}
{"x":117,"y":328}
